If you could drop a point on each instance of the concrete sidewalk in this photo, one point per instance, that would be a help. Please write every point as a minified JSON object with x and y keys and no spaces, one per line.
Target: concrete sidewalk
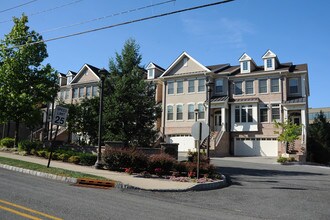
{"x":126,"y":180}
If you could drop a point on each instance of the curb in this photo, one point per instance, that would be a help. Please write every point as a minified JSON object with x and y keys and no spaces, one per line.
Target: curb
{"x":197,"y":187}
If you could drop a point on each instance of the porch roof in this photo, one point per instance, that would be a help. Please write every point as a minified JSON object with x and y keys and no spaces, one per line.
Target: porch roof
{"x":218,"y":99}
{"x":300,"y":100}
{"x":245,"y":100}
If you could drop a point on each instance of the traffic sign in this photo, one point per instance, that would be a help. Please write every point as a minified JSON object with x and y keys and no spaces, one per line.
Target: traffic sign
{"x":60,"y":115}
{"x":195,"y":130}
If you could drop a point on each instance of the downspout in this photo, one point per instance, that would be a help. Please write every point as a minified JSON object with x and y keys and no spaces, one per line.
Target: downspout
{"x":164,"y":110}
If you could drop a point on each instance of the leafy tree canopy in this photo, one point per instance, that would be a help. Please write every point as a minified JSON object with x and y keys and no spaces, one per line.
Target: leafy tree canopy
{"x":130,"y":107}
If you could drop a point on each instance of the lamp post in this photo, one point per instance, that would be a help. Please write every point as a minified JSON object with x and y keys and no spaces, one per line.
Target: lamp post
{"x":209,"y":85}
{"x":196,"y":114}
{"x":102,"y":73}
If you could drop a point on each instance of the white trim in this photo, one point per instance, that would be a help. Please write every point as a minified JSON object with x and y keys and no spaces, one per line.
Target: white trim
{"x":184,"y":54}
{"x":80,"y":72}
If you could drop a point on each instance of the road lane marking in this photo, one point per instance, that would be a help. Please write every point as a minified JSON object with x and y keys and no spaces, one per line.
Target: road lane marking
{"x":19,"y":213}
{"x":29,"y":210}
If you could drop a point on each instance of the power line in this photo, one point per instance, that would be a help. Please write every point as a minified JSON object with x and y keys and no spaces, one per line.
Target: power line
{"x":127,"y":22}
{"x":17,"y":6}
{"x":48,"y":10}
{"x":108,"y":16}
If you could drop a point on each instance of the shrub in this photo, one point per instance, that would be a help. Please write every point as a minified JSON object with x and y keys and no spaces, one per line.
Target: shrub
{"x":42,"y":153}
{"x":7,"y":142}
{"x":74,"y":159}
{"x":117,"y":159}
{"x":139,"y":161}
{"x":64,"y":157}
{"x":282,"y":160}
{"x":27,"y":146}
{"x":87,"y":159}
{"x":161,"y":161}
{"x":192,"y":156}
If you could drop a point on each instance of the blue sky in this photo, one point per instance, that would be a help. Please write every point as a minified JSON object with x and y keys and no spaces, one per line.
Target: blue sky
{"x":297,"y":31}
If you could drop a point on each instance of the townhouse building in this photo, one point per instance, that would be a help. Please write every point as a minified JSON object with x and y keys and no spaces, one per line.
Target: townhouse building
{"x":245,"y":100}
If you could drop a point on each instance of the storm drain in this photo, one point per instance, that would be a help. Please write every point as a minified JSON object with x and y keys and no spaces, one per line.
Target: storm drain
{"x":91,"y":183}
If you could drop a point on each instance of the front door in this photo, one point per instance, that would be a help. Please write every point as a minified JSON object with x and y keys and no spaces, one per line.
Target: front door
{"x":217,"y":121}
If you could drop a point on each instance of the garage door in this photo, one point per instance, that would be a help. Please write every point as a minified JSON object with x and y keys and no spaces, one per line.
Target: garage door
{"x":185,"y":142}
{"x":256,"y":147}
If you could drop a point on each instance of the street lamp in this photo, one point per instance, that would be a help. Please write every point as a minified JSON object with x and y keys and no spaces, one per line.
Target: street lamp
{"x":196,"y":114}
{"x":102,"y":73}
{"x":209,"y":85}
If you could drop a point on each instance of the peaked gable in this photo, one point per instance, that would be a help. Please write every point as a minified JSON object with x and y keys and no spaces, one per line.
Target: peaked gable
{"x":184,"y":64}
{"x":86,"y":74}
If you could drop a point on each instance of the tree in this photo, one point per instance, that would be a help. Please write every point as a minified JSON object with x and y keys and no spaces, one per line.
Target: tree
{"x":83,"y":118}
{"x":25,"y":83}
{"x":130,"y":109}
{"x":290,"y":133}
{"x":319,"y":139}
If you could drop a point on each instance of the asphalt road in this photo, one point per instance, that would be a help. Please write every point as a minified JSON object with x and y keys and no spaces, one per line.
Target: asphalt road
{"x":258,"y":191}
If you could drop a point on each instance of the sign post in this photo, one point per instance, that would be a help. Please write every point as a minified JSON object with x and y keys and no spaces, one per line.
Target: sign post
{"x":199,"y":131}
{"x":59,"y":119}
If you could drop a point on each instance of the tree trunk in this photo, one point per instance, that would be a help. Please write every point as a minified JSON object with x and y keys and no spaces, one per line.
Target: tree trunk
{"x":16,"y":133}
{"x":8,"y":129}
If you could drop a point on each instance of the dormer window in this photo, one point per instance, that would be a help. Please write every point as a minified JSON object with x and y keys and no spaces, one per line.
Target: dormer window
{"x":151,"y":73}
{"x":245,"y":65}
{"x":69,"y":79}
{"x":269,"y":63}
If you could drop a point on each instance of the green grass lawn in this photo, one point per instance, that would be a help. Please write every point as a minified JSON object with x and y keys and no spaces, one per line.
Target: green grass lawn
{"x":44,"y":169}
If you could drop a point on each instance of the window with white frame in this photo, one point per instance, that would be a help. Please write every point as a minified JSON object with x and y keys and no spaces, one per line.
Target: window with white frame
{"x":179,"y":87}
{"x":276,"y":112}
{"x":81,"y":92}
{"x":275,"y":85}
{"x":249,"y":87}
{"x":245,"y":65}
{"x":191,"y":85}
{"x":218,"y":86}
{"x":201,"y":112}
{"x":151,"y":73}
{"x":269,"y":63}
{"x":95,"y":90}
{"x":191,"y":111}
{"x":263,"y":86}
{"x":238,"y":88}
{"x":243,"y":114}
{"x":201,"y":85}
{"x":263,"y":113}
{"x":170,"y":88}
{"x":179,"y":112}
{"x":75,"y":93}
{"x":67,"y":94}
{"x":62,"y":94}
{"x":170,"y":112}
{"x":185,"y":61}
{"x":88,"y":91}
{"x":293,"y":85}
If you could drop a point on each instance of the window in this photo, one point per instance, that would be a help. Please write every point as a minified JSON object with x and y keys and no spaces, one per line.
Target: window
{"x":201,"y":85}
{"x":293,"y":84}
{"x":170,"y":88}
{"x":170,"y":112}
{"x":201,"y":113}
{"x":62,"y":94}
{"x":81,"y":91}
{"x":275,"y":86}
{"x":275,"y":112}
{"x":75,"y":93}
{"x":245,"y":65}
{"x":151,"y":73}
{"x":243,"y":114}
{"x":262,"y":85}
{"x":191,"y":85}
{"x":69,"y":80}
{"x":238,"y":88}
{"x":190,"y":111}
{"x":237,"y":114}
{"x":94,"y":90}
{"x":218,"y":86}
{"x":179,"y":112}
{"x":249,"y":87}
{"x":269,"y":63}
{"x":179,"y":88}
{"x":88,"y":91}
{"x":263,"y":113}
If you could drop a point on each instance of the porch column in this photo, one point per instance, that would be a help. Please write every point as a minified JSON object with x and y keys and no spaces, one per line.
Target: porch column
{"x":303,"y":124}
{"x":223,"y":119}
{"x":285,"y":116}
